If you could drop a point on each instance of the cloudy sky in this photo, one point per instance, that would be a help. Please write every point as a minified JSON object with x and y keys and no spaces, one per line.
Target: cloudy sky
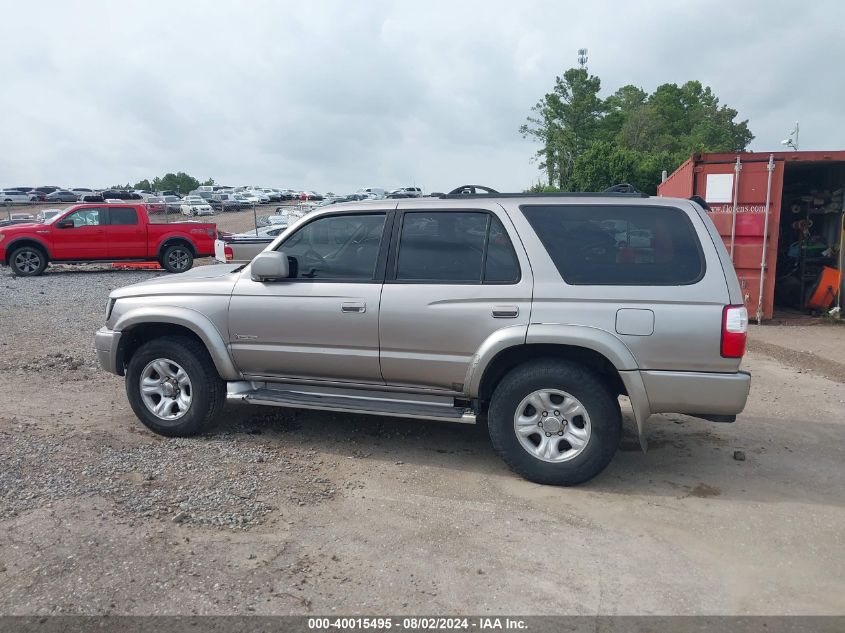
{"x":340,"y":95}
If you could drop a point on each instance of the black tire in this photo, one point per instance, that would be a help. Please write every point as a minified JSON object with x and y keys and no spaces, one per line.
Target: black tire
{"x":28,"y":261}
{"x":600,"y":404}
{"x":208,"y":390}
{"x":177,"y":258}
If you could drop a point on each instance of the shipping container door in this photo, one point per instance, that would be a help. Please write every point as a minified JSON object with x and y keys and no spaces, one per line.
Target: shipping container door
{"x":716,"y":183}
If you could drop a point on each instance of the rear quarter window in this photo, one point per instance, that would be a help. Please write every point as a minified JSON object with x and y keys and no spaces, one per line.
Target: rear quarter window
{"x":619,"y":245}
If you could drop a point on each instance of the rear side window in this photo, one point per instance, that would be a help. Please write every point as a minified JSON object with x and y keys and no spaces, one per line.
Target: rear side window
{"x":455,"y":247}
{"x":619,"y":245}
{"x":122,"y":216}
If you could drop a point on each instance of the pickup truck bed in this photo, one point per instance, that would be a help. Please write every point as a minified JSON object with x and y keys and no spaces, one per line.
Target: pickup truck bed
{"x":242,"y":247}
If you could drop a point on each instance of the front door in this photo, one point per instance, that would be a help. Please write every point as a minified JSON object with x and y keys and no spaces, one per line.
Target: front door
{"x":322,"y":323}
{"x":454,"y":277}
{"x":86,"y":239}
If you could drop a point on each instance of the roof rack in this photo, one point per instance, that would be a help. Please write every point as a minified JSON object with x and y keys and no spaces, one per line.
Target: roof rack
{"x":478,"y":191}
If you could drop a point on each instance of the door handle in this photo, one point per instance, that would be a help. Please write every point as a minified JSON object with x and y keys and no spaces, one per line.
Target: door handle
{"x":356,"y":308}
{"x":505,"y":312}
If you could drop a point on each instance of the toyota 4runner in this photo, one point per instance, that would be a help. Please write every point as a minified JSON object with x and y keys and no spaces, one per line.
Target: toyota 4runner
{"x":533,"y":313}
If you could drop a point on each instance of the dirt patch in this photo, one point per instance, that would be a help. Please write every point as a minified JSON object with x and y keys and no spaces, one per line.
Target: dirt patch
{"x":219,"y":481}
{"x":703,"y":491}
{"x":55,"y":361}
{"x":800,"y":360}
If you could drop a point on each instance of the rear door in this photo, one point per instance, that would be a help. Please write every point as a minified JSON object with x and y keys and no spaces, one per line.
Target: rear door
{"x":127,"y":237}
{"x":454,"y":277}
{"x":86,"y":239}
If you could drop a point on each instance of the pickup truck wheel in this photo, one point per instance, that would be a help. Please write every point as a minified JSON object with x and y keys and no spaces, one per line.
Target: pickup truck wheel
{"x":177,"y":259}
{"x":173,"y":387}
{"x":27,"y":261}
{"x":554,"y":422}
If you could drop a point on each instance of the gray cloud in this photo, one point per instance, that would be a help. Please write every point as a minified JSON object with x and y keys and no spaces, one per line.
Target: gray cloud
{"x":338,"y":95}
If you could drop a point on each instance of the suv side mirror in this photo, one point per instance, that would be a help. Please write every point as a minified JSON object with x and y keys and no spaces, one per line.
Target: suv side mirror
{"x":270,"y":266}
{"x":64,"y":224}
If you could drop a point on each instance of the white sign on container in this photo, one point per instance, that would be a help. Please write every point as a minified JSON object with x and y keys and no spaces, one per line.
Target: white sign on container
{"x":719,"y":188}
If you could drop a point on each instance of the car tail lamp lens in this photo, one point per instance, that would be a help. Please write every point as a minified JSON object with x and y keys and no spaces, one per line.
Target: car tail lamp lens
{"x":230,"y":254}
{"x":734,"y":331}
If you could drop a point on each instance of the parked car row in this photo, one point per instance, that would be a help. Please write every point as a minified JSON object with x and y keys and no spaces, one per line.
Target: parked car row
{"x":19,"y":196}
{"x":217,"y":197}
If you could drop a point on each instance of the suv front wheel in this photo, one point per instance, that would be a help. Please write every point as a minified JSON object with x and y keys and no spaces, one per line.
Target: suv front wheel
{"x":173,"y":386}
{"x":554,"y":422}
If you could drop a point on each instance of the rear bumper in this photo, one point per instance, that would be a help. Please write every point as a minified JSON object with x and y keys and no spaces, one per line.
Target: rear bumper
{"x":696,"y":393}
{"x":107,"y":345}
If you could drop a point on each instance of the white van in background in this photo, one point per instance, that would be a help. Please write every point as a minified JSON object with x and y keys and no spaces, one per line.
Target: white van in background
{"x":373,"y":192}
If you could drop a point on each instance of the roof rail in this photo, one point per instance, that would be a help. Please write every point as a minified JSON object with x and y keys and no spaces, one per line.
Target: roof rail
{"x":568,"y":194}
{"x":622,"y":187}
{"x":623,"y":190}
{"x":700,"y":202}
{"x":468,"y":190}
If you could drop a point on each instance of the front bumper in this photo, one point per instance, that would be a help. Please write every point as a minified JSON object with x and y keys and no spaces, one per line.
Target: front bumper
{"x":107,"y":344}
{"x":696,"y":393}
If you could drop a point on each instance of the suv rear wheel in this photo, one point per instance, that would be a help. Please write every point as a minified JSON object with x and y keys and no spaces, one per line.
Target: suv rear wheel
{"x":554,"y":422}
{"x":173,"y":386}
{"x":27,"y":261}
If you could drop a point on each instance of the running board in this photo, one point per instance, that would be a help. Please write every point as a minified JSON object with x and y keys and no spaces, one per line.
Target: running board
{"x":357,"y":404}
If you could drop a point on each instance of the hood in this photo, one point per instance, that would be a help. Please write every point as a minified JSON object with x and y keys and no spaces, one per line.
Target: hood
{"x":218,"y":279}
{"x":23,"y":227}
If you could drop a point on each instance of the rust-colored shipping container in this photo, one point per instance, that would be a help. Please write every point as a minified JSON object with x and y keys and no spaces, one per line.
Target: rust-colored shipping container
{"x":790,"y":201}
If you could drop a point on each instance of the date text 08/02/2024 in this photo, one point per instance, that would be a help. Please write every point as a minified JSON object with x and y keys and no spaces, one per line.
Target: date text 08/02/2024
{"x":417,"y":623}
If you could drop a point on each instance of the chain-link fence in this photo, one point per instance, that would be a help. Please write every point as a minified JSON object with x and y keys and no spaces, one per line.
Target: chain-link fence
{"x":229,"y":216}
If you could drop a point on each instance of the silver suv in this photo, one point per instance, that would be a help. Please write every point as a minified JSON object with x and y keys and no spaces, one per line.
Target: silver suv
{"x":530,"y":313}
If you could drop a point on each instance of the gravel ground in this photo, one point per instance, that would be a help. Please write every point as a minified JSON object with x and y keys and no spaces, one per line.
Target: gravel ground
{"x":817,"y":348}
{"x":278,"y":511}
{"x":49,"y":322}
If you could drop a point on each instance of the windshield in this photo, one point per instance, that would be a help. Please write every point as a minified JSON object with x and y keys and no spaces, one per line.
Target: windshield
{"x":57,"y":216}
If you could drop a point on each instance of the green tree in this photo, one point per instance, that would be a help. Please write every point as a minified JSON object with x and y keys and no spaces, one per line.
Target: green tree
{"x":143,"y":185}
{"x":542,"y":187}
{"x":180,"y":182}
{"x":566,"y":120}
{"x":588,"y":144}
{"x":604,"y":164}
{"x":209,"y":182}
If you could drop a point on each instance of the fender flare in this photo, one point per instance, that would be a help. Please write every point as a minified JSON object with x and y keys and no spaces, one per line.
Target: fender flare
{"x":190,"y":319}
{"x":593,"y":338}
{"x":167,"y":240}
{"x":27,"y":238}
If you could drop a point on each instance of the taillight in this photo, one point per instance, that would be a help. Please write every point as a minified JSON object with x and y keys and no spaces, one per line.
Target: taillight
{"x":229,"y":253}
{"x":734,"y":331}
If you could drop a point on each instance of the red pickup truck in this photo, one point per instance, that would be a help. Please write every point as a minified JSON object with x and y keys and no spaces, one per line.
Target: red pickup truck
{"x":104,"y":233}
